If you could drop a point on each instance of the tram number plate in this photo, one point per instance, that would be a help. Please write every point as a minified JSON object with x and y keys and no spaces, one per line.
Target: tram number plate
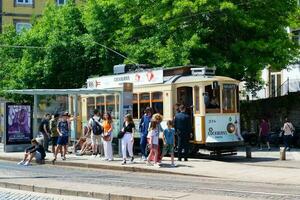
{"x":212,"y":121}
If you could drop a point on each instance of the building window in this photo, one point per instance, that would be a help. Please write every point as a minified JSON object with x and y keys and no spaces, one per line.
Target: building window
{"x":61,"y":2}
{"x":27,"y":2}
{"x":21,"y":26}
{"x":296,"y":36}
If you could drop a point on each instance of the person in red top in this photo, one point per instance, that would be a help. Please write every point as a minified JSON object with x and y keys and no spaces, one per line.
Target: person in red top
{"x":264,"y":129}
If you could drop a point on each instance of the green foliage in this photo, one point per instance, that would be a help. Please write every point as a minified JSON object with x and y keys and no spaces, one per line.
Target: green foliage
{"x":239,"y":37}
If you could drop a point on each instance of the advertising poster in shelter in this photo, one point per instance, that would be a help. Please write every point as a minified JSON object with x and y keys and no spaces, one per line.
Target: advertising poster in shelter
{"x":2,"y":123}
{"x":18,"y":124}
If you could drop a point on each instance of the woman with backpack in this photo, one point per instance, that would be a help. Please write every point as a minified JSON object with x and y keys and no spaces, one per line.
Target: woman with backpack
{"x":107,"y":125}
{"x":288,"y":132}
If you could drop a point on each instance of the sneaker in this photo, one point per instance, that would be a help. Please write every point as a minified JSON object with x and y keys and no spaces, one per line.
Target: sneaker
{"x":132,"y":160}
{"x":21,"y":163}
{"x":124,"y":162}
{"x":109,"y":160}
{"x":27,"y":164}
{"x":149,"y":163}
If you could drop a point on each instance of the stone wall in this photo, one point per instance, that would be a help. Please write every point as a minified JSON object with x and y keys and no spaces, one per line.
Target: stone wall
{"x":273,"y":109}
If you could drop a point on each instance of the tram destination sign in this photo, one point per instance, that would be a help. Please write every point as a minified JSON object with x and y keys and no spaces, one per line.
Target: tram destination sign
{"x":137,"y":78}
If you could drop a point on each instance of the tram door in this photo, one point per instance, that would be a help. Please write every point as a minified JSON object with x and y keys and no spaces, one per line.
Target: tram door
{"x":185,"y":97}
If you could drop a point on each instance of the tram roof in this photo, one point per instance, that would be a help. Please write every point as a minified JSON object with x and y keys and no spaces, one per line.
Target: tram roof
{"x":192,"y":78}
{"x":79,"y":91}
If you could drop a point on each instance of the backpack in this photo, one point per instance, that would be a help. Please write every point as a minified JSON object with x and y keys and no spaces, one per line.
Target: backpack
{"x":96,"y":127}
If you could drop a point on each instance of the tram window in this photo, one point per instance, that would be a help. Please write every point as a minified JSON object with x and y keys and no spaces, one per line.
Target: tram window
{"x":157,"y":102}
{"x":100,"y":104}
{"x":197,"y":100}
{"x":229,"y":98}
{"x":135,"y":114}
{"x":212,"y":99}
{"x":144,"y":102}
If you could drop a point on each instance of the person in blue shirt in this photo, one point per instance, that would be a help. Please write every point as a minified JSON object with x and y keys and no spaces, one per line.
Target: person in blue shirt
{"x":63,"y":128}
{"x":169,"y":141}
{"x":183,"y":129}
{"x":143,"y":128}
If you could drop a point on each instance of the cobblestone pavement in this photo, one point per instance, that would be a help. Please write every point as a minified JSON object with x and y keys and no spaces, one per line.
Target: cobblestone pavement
{"x":9,"y":194}
{"x":153,"y":182}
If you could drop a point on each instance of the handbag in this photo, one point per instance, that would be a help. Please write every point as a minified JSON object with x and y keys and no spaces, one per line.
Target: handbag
{"x":121,"y":134}
{"x":107,"y":137}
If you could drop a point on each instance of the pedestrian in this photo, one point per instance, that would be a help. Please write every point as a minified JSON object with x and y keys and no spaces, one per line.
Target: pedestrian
{"x":143,"y":128}
{"x":96,"y":132}
{"x":264,"y":129}
{"x":158,"y":118}
{"x":153,"y":141}
{"x":36,"y":150}
{"x":288,"y":132}
{"x":63,"y":128}
{"x":169,"y":141}
{"x":53,"y":131}
{"x":183,"y":129}
{"x":107,"y":136}
{"x":128,"y":138}
{"x":44,"y":130}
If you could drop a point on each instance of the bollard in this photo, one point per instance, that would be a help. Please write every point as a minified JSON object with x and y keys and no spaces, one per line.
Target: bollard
{"x":248,"y":152}
{"x":282,"y":153}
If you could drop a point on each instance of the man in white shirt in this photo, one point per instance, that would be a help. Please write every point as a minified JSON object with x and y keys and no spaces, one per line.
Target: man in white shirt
{"x":94,"y":125}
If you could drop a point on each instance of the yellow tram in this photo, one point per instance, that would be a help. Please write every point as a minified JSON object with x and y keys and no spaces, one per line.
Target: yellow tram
{"x":212,"y":101}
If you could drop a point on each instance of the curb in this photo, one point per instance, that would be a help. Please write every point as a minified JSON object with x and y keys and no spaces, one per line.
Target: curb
{"x":110,"y":167}
{"x":96,"y":195}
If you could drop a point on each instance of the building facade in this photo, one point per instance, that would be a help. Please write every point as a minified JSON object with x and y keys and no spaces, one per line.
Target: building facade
{"x":20,"y":12}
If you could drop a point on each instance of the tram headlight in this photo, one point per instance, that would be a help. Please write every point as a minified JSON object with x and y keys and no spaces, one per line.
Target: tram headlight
{"x":231,"y":128}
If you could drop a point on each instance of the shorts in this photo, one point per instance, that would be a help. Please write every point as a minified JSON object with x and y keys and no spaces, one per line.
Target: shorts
{"x":168,"y":149}
{"x":54,"y":141}
{"x":62,"y":140}
{"x":96,"y":139}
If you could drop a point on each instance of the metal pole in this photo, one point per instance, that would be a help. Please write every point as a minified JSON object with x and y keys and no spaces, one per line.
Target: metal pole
{"x":35,"y":115}
{"x":75,"y":105}
{"x":121,"y":113}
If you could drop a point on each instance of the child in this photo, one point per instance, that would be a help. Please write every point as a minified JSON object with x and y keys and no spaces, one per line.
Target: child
{"x":169,"y":141}
{"x":154,"y":137}
{"x":37,"y":151}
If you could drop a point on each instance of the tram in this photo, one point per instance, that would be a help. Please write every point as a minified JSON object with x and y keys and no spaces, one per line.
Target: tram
{"x":212,"y":102}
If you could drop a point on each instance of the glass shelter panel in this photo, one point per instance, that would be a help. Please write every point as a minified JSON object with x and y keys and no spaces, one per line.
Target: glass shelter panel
{"x":110,"y":104}
{"x":100,"y":104}
{"x":90,"y":106}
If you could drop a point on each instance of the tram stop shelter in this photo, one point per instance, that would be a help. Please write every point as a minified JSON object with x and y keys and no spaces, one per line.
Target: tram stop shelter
{"x":73,"y":105}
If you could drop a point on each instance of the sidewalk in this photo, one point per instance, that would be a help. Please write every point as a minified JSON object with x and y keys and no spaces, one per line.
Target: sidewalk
{"x":263,"y":167}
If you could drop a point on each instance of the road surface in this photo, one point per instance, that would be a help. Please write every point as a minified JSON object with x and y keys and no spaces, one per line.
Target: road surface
{"x":152,"y":182}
